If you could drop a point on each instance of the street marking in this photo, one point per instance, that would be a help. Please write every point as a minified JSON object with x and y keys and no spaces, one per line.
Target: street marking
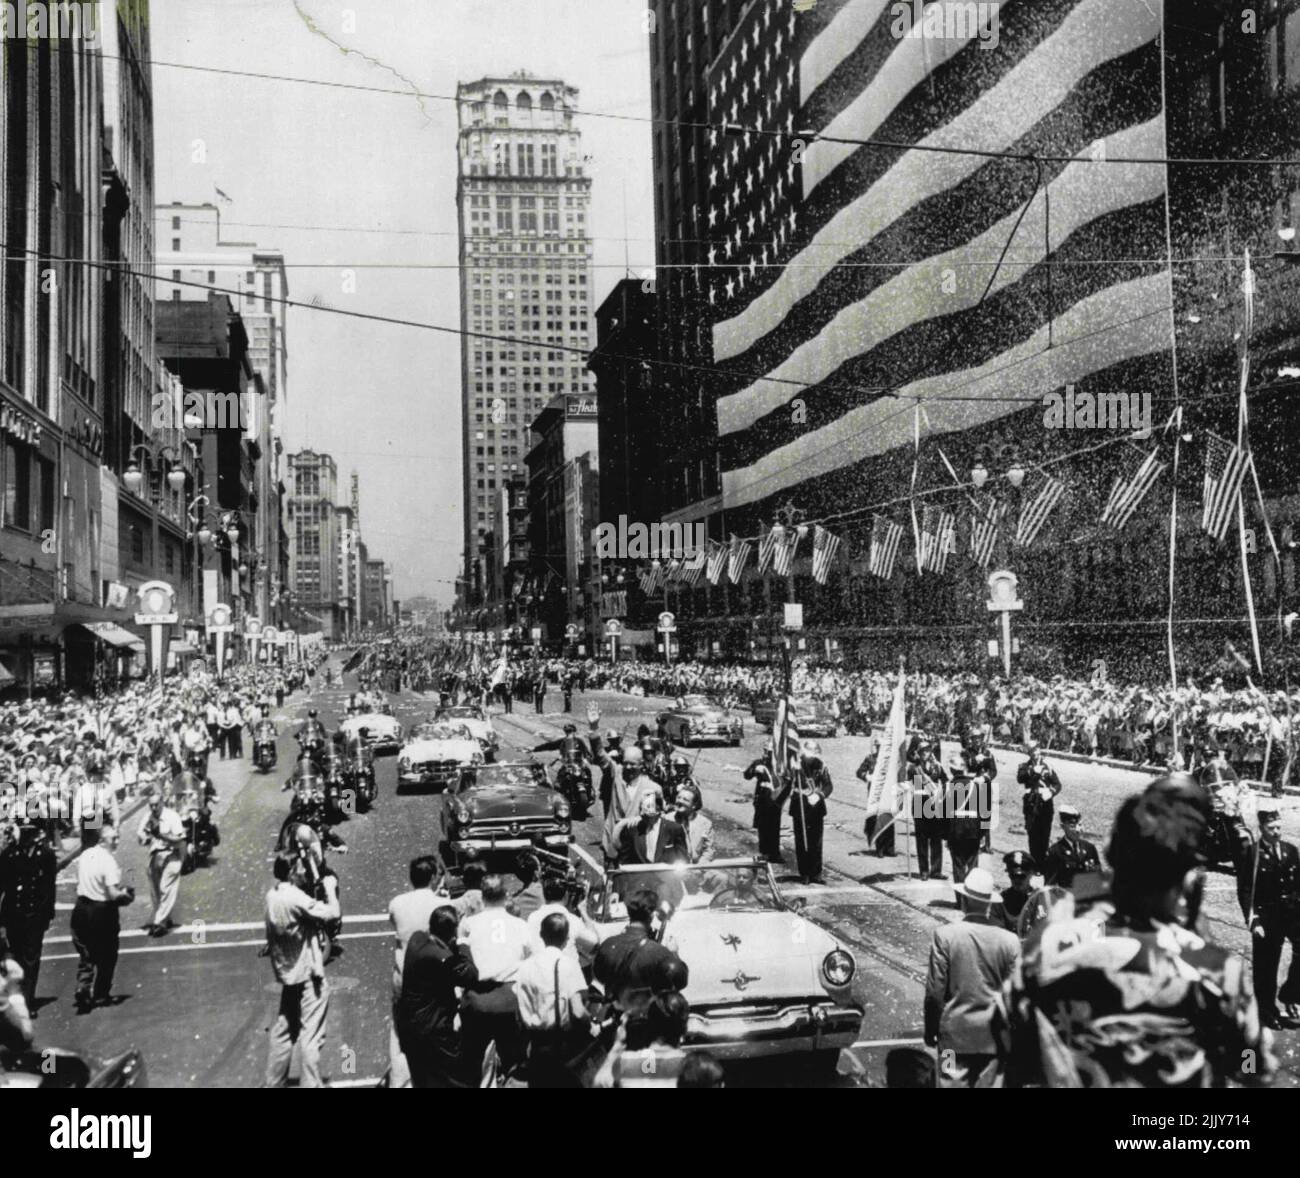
{"x":863,"y":1043}
{"x":364,"y":1082}
{"x":246,"y":926}
{"x":839,"y":890}
{"x":161,"y":948}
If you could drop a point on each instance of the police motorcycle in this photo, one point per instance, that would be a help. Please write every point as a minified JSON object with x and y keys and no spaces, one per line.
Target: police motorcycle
{"x":192,"y":796}
{"x":334,"y":774}
{"x":312,"y":737}
{"x":656,"y":755}
{"x":572,"y":772}
{"x":359,"y":771}
{"x":264,"y":750}
{"x":306,"y":834}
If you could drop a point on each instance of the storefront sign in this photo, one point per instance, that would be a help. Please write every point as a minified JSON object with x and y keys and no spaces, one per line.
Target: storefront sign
{"x":17,"y":424}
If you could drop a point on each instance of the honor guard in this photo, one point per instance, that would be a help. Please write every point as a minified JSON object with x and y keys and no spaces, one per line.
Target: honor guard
{"x":1041,"y":785}
{"x":1268,"y":888}
{"x":1020,"y":868}
{"x":1071,"y":854}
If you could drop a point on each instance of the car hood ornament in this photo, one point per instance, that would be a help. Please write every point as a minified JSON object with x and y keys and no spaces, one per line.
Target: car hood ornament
{"x":741,"y":980}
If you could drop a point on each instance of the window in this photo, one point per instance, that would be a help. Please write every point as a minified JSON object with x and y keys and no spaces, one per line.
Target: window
{"x":18,"y":487}
{"x":45,"y":489}
{"x":176,"y":223}
{"x":176,"y":245}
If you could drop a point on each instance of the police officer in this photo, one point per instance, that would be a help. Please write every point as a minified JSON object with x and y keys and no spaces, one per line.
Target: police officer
{"x":27,"y":871}
{"x":1268,"y":889}
{"x":1020,"y":867}
{"x":769,"y":793}
{"x":963,"y":812}
{"x":1071,"y":854}
{"x":929,"y":819}
{"x":811,"y":787}
{"x":1041,"y":785}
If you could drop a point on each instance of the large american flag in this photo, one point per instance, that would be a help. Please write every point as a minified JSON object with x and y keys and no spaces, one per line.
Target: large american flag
{"x":886,"y":535}
{"x":1040,"y":498}
{"x":839,"y":270}
{"x":938,"y":538}
{"x":1225,"y":468}
{"x":1139,"y":470}
{"x":737,"y":557}
{"x":825,"y":546}
{"x":985,"y":524}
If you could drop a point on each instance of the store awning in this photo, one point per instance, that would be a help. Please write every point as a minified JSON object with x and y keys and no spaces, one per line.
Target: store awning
{"x":114,"y":635}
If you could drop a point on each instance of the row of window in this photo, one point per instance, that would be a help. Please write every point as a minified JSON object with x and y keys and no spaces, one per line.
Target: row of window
{"x":28,"y":489}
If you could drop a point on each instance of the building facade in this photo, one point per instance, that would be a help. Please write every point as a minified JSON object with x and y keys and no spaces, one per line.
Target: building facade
{"x":313,"y":522}
{"x":523,"y":199}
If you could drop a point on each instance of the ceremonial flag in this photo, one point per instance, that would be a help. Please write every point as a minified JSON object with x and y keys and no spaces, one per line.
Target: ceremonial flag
{"x":783,"y":557}
{"x":498,"y":672}
{"x":767,"y":546}
{"x":692,"y":568}
{"x":985,"y":523}
{"x":825,"y":546}
{"x":885,"y":537}
{"x":938,"y":538}
{"x":716,"y":559}
{"x":1037,"y":507}
{"x":786,"y":744}
{"x":885,"y":801}
{"x":737,"y":558}
{"x":653,"y":578}
{"x":1225,"y":468}
{"x":1138,"y":473}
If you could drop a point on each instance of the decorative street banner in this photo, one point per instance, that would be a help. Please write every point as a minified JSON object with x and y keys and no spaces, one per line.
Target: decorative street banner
{"x":885,"y":801}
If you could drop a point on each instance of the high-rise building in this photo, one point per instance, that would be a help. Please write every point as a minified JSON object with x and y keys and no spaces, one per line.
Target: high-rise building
{"x":314,"y":538}
{"x":523,"y":198}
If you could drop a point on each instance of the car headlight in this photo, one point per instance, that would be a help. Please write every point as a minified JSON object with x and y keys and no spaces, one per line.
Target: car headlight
{"x":462,"y":815}
{"x":403,"y":762}
{"x":838,"y":967}
{"x":561,"y":807}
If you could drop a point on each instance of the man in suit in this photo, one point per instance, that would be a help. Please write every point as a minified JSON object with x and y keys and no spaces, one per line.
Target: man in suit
{"x":1268,"y":889}
{"x":1071,"y":854}
{"x":650,"y":837}
{"x":698,"y":827}
{"x":970,"y":959}
{"x":964,"y":814}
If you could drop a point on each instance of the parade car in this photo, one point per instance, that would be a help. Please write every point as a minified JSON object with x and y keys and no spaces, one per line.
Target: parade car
{"x":502,"y":809}
{"x":763,"y":980}
{"x":479,"y":725}
{"x":811,"y":716}
{"x":379,"y":729}
{"x":435,"y":753}
{"x":697,"y":718}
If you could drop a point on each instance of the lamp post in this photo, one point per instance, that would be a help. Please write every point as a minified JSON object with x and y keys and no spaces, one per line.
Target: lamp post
{"x":156,"y":465}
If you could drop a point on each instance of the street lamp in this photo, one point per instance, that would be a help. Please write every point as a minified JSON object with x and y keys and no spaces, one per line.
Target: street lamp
{"x":153,"y":462}
{"x":1005,"y":459}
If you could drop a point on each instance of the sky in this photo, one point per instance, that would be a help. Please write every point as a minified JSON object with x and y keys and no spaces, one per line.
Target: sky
{"x":342,"y":180}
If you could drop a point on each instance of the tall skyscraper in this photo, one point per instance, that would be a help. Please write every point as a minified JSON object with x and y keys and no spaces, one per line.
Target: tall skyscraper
{"x":526,"y":273}
{"x":314,"y":537}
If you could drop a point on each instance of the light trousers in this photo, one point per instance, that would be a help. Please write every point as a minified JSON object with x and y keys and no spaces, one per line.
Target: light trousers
{"x":301,"y":1020}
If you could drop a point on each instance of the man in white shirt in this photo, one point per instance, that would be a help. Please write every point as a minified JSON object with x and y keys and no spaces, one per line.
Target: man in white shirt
{"x":295,"y":941}
{"x":582,"y":941}
{"x":409,"y":913}
{"x":552,"y":1006}
{"x":497,"y":941}
{"x":163,"y":832}
{"x":96,"y":920}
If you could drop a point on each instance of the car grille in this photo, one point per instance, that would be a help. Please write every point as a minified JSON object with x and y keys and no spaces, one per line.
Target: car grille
{"x":438,"y":770}
{"x":510,"y":827}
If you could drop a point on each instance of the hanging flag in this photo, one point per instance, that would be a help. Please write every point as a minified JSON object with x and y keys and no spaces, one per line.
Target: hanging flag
{"x":692,"y":568}
{"x":783,"y":557}
{"x":767,"y":546}
{"x":985,"y":524}
{"x":653,"y":578}
{"x":885,"y":538}
{"x":885,"y":801}
{"x":1225,"y":468}
{"x":938,"y":538}
{"x":1138,"y":472}
{"x":737,"y":558}
{"x":825,"y":546}
{"x":716,"y":559}
{"x":786,"y":745}
{"x":1037,"y":506}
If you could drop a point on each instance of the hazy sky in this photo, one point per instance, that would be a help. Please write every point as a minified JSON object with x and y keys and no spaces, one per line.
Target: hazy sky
{"x":384,"y":399}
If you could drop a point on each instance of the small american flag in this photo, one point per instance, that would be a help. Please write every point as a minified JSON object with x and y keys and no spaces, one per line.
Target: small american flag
{"x":938,"y":538}
{"x":985,"y":524}
{"x":825,"y":546}
{"x":716,"y":559}
{"x":783,"y":557}
{"x":691,"y":569}
{"x":1038,"y":505}
{"x":652,"y":575}
{"x":1137,"y":476}
{"x":767,"y":547}
{"x":737,"y":558}
{"x":885,"y":538}
{"x":1225,"y":468}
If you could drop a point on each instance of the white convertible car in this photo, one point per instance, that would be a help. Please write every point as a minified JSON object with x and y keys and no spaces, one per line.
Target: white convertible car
{"x":435,"y":753}
{"x":763,"y":979}
{"x":379,"y":729}
{"x":479,"y":725}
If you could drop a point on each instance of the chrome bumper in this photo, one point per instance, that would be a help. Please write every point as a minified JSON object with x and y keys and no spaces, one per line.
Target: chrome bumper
{"x":786,"y":1030}
{"x":519,"y":843}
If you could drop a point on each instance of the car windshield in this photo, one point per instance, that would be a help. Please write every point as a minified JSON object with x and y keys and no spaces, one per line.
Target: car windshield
{"x":696,"y":701}
{"x":460,"y":713}
{"x":486,"y":776}
{"x":440,"y":730}
{"x":741,"y":886}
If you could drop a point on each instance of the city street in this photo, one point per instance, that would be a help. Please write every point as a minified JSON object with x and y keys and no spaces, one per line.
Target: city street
{"x":198,"y":1003}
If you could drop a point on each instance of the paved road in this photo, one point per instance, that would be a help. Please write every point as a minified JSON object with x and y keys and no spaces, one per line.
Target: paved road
{"x":199,"y":1002}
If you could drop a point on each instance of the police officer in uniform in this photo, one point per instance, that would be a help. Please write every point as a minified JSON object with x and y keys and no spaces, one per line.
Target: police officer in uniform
{"x":1041,"y":785}
{"x":1071,"y":854}
{"x":1268,"y":888}
{"x":811,"y":787}
{"x":965,"y":828}
{"x":27,"y":871}
{"x":1020,"y":867}
{"x":929,"y":820}
{"x":769,"y":793}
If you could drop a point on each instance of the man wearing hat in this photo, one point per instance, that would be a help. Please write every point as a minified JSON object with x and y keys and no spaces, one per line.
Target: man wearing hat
{"x":1020,"y":868}
{"x":1041,"y":785}
{"x":1071,"y":854}
{"x":27,"y":873}
{"x":965,"y":828}
{"x":769,"y":793}
{"x":812,"y":786}
{"x":970,"y":960}
{"x":1268,"y":889}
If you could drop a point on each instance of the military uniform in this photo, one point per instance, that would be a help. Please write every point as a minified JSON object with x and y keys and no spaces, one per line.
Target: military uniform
{"x":966,"y":797}
{"x":1268,"y":889}
{"x":1068,"y":858}
{"x":27,"y":872}
{"x":767,"y":808}
{"x":1040,"y":812}
{"x":808,"y":813}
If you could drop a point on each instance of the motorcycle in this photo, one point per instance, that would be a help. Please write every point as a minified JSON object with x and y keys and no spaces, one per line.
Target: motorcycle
{"x":201,"y":835}
{"x":334,"y":770}
{"x":360,"y":767}
{"x":264,"y":750}
{"x":573,"y":780}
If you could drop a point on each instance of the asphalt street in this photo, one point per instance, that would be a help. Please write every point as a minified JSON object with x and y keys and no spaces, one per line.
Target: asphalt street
{"x":199,"y":1002}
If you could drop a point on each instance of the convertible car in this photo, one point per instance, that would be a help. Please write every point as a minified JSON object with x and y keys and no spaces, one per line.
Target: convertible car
{"x":435,"y":753}
{"x":380,"y":730}
{"x":763,"y":980}
{"x":502,"y":809}
{"x":811,"y":716}
{"x":696,"y":718}
{"x":479,"y":725}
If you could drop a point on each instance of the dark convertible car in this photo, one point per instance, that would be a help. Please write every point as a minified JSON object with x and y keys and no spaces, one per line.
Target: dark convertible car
{"x":500,"y":810}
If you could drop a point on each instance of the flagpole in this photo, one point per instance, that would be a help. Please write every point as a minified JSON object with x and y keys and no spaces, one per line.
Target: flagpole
{"x":908,"y":834}
{"x":1173,"y":548}
{"x":1248,"y":292}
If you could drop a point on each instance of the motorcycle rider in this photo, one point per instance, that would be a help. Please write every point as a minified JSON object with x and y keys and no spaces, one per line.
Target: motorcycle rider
{"x":680,"y":775}
{"x":191,"y":791}
{"x":313,"y":734}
